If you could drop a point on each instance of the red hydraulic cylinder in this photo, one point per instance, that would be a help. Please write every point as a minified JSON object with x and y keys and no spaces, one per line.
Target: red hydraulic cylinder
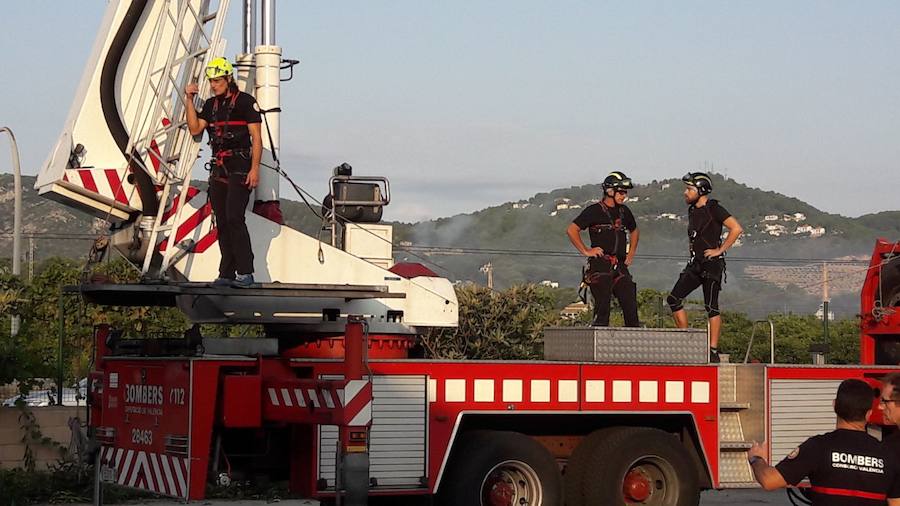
{"x":353,"y":477}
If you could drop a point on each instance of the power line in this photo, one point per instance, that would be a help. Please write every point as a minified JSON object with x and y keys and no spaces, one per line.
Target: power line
{"x":447,"y":250}
{"x":48,"y":235}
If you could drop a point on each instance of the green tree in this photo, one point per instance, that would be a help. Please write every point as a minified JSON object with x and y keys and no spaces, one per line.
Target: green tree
{"x":495,"y":325}
{"x":34,"y":353}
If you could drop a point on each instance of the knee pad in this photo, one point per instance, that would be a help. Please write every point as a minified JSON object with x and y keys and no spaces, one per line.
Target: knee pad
{"x":675,"y":304}
{"x":711,"y":311}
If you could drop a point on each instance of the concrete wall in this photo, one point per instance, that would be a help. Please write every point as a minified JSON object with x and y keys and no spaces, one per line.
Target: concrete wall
{"x":54,"y":424}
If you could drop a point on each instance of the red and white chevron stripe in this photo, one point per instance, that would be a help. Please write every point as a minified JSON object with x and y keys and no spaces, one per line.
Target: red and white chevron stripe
{"x":112,"y":184}
{"x":304,"y":397}
{"x":192,"y":219}
{"x":157,"y":473}
{"x":355,"y":399}
{"x":109,"y":183}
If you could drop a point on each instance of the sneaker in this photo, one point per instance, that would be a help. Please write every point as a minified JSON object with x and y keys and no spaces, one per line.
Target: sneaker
{"x":220,"y":282}
{"x":243,"y":281}
{"x":714,"y":356}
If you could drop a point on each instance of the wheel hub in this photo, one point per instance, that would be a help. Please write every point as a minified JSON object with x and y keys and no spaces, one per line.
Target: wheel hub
{"x":500,"y":492}
{"x":511,"y":483}
{"x":650,"y":481}
{"x":636,"y":486}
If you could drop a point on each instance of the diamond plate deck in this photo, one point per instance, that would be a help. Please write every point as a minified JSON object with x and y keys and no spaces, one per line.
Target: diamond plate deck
{"x":617,"y":345}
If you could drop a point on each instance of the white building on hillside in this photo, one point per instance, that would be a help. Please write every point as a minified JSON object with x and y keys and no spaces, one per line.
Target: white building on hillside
{"x":798,"y":217}
{"x":821,"y":313}
{"x":574,"y":309}
{"x":776,"y":230}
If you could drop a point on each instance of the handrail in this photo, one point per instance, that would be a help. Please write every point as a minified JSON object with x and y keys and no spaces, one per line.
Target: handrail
{"x":771,"y":340}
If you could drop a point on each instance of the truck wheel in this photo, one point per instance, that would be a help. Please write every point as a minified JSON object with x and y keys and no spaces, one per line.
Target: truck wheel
{"x":639,"y":466}
{"x":495,"y":468}
{"x":577,"y":467}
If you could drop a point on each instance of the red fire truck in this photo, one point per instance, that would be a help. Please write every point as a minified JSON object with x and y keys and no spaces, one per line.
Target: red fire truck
{"x":330,"y":399}
{"x":652,"y":431}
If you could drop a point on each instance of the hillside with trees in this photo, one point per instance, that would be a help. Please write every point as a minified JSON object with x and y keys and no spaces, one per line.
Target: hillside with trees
{"x":777,"y":266}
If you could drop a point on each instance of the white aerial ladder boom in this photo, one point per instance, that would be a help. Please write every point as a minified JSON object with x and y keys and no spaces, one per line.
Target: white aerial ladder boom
{"x":126,"y":156}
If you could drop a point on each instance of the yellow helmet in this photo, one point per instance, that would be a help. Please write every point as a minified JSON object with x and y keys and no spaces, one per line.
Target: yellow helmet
{"x":219,"y":67}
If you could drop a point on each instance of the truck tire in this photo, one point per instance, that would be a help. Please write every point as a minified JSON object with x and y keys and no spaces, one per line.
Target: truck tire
{"x":497,"y":468}
{"x":576,"y":468}
{"x":640,"y":466}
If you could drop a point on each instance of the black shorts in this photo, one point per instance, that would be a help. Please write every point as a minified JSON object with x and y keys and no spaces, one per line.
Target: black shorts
{"x":705,"y":273}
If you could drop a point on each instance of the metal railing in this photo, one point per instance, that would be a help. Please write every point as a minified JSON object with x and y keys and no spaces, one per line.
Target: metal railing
{"x":771,"y":340}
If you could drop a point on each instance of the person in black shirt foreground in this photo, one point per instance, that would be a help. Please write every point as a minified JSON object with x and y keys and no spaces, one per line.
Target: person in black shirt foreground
{"x":845,"y":467}
{"x":706,"y":268}
{"x":233,"y":120}
{"x":890,"y":398}
{"x":610,"y":222}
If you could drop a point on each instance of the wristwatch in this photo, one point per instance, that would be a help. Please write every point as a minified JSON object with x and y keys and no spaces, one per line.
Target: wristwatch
{"x":754,"y":458}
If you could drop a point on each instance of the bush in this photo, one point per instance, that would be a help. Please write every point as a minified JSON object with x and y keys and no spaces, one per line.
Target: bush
{"x":505,"y":325}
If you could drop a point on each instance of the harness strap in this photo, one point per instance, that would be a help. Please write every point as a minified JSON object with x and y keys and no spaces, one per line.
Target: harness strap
{"x":697,"y":233}
{"x":220,"y":127}
{"x":221,"y":155}
{"x":228,"y":123}
{"x":592,"y":277}
{"x":614,"y":225}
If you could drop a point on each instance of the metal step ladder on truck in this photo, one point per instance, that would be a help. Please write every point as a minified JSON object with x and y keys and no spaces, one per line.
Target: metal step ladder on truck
{"x":330,"y":400}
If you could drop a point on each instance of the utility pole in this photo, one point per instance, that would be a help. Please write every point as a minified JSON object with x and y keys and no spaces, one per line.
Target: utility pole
{"x":825,"y":298}
{"x":488,"y":269}
{"x":17,"y":219}
{"x":31,"y":258}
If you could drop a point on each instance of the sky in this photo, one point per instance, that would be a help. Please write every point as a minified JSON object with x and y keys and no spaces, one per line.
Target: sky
{"x":468,"y":104}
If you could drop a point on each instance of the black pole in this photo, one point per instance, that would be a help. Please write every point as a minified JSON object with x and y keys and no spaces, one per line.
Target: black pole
{"x":659,"y":311}
{"x":62,"y":333}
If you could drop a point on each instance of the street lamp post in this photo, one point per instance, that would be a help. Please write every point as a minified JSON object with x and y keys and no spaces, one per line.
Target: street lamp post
{"x":17,"y":218}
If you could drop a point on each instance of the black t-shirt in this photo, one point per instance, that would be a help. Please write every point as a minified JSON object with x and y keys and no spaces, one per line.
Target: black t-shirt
{"x":227,"y":119}
{"x":845,"y":468}
{"x":607,"y":226}
{"x":892,"y":442}
{"x":705,"y":226}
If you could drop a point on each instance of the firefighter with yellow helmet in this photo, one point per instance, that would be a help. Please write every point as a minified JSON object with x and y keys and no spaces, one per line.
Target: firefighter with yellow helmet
{"x":232,"y":119}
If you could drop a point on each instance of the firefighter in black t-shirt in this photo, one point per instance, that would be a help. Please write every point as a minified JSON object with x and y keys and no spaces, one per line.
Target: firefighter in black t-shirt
{"x":845,"y":467}
{"x":609,"y":223}
{"x":706,"y":268}
{"x":890,"y":410}
{"x":233,"y":120}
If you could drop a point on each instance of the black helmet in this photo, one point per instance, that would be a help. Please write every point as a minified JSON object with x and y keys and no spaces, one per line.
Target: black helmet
{"x":698,"y":180}
{"x":617,"y":180}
